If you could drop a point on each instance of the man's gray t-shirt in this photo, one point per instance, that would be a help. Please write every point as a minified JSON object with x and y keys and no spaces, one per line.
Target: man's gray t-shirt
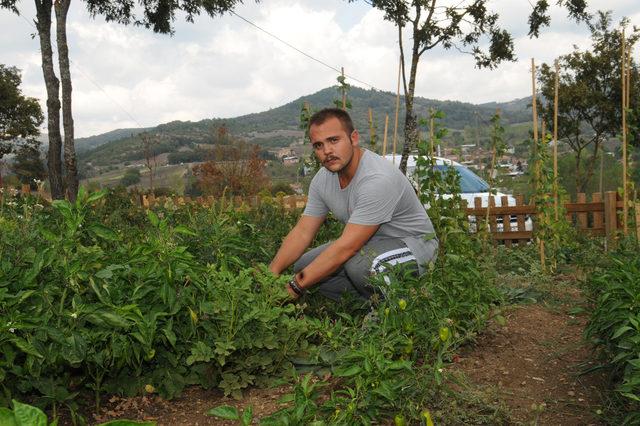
{"x":378,"y":194}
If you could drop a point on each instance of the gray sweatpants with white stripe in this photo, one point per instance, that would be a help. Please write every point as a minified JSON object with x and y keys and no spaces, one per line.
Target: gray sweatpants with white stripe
{"x":353,"y":276}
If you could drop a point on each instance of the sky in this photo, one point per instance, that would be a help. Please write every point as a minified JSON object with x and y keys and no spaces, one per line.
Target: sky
{"x":124,"y":76}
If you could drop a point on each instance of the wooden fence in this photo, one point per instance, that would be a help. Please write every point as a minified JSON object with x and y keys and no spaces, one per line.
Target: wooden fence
{"x":509,"y":224}
{"x":288,"y":202}
{"x":599,"y":217}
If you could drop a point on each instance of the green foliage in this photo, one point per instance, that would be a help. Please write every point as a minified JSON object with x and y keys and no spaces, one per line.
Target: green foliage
{"x":615,"y":323}
{"x":101,"y":296}
{"x":446,"y":213}
{"x":28,"y":415}
{"x":343,"y":90}
{"x":281,"y":188}
{"x":391,"y":361}
{"x":311,"y":161}
{"x":557,"y":234}
{"x":28,"y":165}
{"x":227,"y":412}
{"x":590,"y":94}
{"x":20,"y":116}
{"x":91,"y":302}
{"x":131,"y":177}
{"x":611,"y":174}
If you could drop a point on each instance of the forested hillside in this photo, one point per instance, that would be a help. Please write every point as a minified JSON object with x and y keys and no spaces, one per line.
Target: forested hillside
{"x":278,"y":127}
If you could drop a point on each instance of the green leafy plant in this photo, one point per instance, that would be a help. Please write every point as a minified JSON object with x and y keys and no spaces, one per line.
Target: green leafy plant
{"x":615,"y":324}
{"x":227,"y":412}
{"x":28,"y":415}
{"x":447,"y":212}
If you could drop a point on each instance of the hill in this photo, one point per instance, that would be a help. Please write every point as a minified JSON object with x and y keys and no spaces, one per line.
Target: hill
{"x":279,"y":127}
{"x":91,"y":142}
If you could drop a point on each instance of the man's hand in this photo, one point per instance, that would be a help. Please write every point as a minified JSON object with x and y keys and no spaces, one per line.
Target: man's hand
{"x":292,"y":294}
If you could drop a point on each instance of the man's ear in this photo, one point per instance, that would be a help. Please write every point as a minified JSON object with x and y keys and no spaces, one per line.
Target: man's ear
{"x":355,"y":138}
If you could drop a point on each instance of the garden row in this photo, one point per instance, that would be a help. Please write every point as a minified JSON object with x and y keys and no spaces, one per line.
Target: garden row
{"x":102,"y":297}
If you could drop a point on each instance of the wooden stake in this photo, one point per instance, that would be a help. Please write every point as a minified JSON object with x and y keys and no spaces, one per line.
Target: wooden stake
{"x":491,"y":171}
{"x":535,"y":120}
{"x":344,"y":92}
{"x":431,"y":135}
{"x":624,"y":134}
{"x":371,"y":131}
{"x":395,"y":126}
{"x":555,"y":142}
{"x":535,"y":144}
{"x":384,"y":139}
{"x":628,"y":100}
{"x":602,"y":173}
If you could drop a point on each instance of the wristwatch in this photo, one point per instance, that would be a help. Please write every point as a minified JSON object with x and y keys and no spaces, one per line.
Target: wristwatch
{"x":293,"y":284}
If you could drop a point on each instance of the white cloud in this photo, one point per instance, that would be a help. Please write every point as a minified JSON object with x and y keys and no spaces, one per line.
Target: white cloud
{"x":224,"y":67}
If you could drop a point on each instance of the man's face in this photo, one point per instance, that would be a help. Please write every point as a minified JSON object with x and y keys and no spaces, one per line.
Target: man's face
{"x":332,"y":145}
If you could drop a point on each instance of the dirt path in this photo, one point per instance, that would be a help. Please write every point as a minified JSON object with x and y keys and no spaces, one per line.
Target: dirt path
{"x":533,"y":363}
{"x":190,"y":409}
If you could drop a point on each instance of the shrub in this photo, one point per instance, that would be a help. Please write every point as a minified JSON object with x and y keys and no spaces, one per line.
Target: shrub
{"x":615,"y":324}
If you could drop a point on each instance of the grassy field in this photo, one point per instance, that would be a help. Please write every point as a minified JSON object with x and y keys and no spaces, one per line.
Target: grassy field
{"x":166,"y":176}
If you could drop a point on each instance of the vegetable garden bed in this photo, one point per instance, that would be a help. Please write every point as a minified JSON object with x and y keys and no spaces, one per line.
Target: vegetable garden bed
{"x":104,"y":301}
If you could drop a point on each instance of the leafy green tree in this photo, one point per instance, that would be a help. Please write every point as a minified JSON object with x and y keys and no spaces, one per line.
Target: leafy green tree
{"x":611,"y":172}
{"x":28,"y":165}
{"x":590,"y":95}
{"x":158,"y":16}
{"x":282,"y":187}
{"x":461,"y":25}
{"x":131,"y":177}
{"x":20,"y":116}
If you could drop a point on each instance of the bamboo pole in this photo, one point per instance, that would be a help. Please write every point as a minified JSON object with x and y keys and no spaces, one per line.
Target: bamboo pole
{"x":431,"y":135}
{"x":395,"y":126}
{"x":555,"y":142}
{"x":371,"y":132}
{"x":624,"y":134}
{"x":491,"y":171}
{"x":384,"y":139}
{"x":602,"y":173}
{"x":535,"y":144}
{"x":535,"y":119}
{"x":344,"y":92}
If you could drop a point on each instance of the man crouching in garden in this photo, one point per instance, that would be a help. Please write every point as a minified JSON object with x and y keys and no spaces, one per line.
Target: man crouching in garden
{"x":385,"y":223}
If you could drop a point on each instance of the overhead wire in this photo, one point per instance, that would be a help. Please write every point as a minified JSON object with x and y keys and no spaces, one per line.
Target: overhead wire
{"x":85,"y":75}
{"x":301,"y":51}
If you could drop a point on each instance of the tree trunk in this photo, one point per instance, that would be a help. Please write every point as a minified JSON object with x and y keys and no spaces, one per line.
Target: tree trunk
{"x":590,"y":165}
{"x":579,"y":182}
{"x":410,"y":120}
{"x":71,"y":169}
{"x":54,"y":163}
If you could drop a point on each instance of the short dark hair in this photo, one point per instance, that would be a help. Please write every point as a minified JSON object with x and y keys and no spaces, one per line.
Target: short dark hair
{"x":327,"y":113}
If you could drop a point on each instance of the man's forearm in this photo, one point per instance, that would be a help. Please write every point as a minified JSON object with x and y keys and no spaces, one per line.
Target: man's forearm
{"x":291,"y":249}
{"x":327,"y":262}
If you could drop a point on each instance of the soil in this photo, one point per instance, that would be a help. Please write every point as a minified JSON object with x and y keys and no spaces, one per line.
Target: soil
{"x":532,"y":363}
{"x":535,"y":364}
{"x":191,"y":408}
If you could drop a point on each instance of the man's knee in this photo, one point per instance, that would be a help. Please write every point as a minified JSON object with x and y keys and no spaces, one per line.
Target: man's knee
{"x":308,"y":257}
{"x":358,"y":269}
